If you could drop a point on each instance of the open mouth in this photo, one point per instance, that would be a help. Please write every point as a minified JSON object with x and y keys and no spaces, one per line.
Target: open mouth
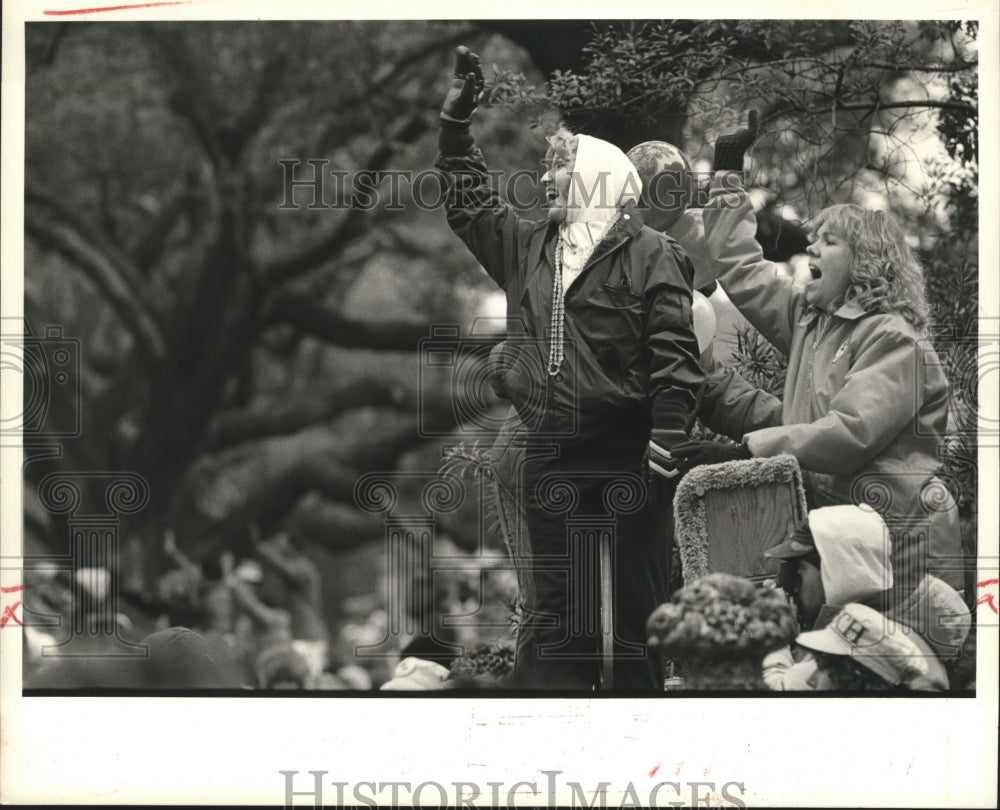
{"x":551,"y":195}
{"x":815,"y":272}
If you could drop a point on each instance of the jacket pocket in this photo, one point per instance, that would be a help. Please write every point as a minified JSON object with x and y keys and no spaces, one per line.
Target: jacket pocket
{"x":613,"y":319}
{"x":623,"y":295}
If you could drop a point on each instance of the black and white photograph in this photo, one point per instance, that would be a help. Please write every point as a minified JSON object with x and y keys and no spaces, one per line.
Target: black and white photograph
{"x":550,"y":409}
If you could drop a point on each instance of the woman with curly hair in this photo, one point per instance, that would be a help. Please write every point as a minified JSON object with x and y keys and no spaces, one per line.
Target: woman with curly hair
{"x":882,"y":275}
{"x":865,"y":403}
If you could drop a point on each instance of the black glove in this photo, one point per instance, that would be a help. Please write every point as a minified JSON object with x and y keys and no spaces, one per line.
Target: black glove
{"x":730,"y":149}
{"x":693,"y":454}
{"x":660,"y":452}
{"x":497,"y":369}
{"x":461,"y":101}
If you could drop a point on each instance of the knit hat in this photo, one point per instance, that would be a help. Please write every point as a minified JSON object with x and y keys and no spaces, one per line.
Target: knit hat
{"x":180,"y":658}
{"x":936,"y":611}
{"x":892,"y":651}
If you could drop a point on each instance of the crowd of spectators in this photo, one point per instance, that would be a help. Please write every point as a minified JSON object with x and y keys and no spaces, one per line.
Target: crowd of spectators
{"x":258,"y":621}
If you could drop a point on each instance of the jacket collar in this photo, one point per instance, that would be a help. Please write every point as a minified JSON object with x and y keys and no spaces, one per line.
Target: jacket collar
{"x":628,"y":225}
{"x":851,"y":311}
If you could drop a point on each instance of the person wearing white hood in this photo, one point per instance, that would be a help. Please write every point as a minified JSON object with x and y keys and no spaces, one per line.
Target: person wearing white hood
{"x":603,"y":376}
{"x":840,"y":556}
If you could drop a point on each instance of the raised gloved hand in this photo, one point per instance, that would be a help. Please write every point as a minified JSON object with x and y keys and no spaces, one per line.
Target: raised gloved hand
{"x":730,"y":149}
{"x":498,"y":365}
{"x":688,"y":455}
{"x":660,"y":453}
{"x":462,"y":99}
{"x":466,"y":88}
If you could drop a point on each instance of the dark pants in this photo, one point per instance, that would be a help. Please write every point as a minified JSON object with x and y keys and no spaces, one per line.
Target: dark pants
{"x":587,"y":495}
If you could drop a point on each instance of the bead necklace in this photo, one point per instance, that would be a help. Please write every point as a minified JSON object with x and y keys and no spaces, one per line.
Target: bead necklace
{"x":557,"y":329}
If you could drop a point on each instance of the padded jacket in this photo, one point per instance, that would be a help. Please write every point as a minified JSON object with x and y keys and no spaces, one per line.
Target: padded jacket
{"x":630,"y":351}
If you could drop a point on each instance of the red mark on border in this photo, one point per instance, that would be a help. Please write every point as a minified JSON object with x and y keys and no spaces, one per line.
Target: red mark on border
{"x":10,"y":611}
{"x":988,"y":599}
{"x":114,"y":8}
{"x":652,"y":773}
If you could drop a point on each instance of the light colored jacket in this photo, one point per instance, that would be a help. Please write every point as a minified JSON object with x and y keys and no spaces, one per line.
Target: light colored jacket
{"x":865,"y":404}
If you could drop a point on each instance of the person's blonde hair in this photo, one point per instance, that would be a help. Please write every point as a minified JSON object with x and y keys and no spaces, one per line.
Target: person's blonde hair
{"x":564,"y":144}
{"x":885,"y":275}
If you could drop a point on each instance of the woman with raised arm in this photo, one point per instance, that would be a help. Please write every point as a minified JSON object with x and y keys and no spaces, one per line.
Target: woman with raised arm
{"x":865,"y":404}
{"x":604,"y":375}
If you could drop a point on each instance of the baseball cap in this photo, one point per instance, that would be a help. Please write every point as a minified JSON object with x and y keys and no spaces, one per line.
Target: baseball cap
{"x":798,"y":545}
{"x":891,"y":650}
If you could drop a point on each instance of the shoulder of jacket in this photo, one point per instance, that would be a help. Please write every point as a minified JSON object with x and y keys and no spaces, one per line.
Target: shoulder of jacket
{"x":652,"y":233}
{"x":652,"y":239}
{"x":888,"y":325}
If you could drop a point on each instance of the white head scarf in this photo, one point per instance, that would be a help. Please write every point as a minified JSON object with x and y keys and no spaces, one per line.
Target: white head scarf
{"x":603,"y":180}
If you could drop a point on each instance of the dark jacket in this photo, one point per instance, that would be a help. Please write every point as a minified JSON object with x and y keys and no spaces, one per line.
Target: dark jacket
{"x":630,"y":349}
{"x":732,"y":406}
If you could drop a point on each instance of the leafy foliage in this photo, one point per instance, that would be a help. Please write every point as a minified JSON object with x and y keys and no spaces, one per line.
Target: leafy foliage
{"x":759,"y":362}
{"x":244,"y":354}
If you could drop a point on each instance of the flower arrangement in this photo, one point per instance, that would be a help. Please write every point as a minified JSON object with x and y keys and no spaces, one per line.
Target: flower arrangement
{"x":719,"y":628}
{"x":723,"y":613}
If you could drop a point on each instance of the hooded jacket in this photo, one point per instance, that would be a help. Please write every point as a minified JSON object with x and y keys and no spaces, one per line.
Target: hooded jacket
{"x":865,"y":404}
{"x":853,"y":545}
{"x":630,"y":349}
{"x":854,"y":548}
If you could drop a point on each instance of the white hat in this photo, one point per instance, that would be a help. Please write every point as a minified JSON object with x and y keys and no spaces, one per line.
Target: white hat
{"x":417,"y":674}
{"x":891,"y":650}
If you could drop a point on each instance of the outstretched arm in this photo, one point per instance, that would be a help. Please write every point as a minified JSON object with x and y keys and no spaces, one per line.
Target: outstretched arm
{"x":732,"y":406}
{"x":880,"y":397}
{"x":490,"y":229}
{"x":675,"y":375}
{"x":758,"y":288}
{"x":247,"y":600}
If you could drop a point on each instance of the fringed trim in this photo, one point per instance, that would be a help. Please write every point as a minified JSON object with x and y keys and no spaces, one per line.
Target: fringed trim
{"x":691,"y":529}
